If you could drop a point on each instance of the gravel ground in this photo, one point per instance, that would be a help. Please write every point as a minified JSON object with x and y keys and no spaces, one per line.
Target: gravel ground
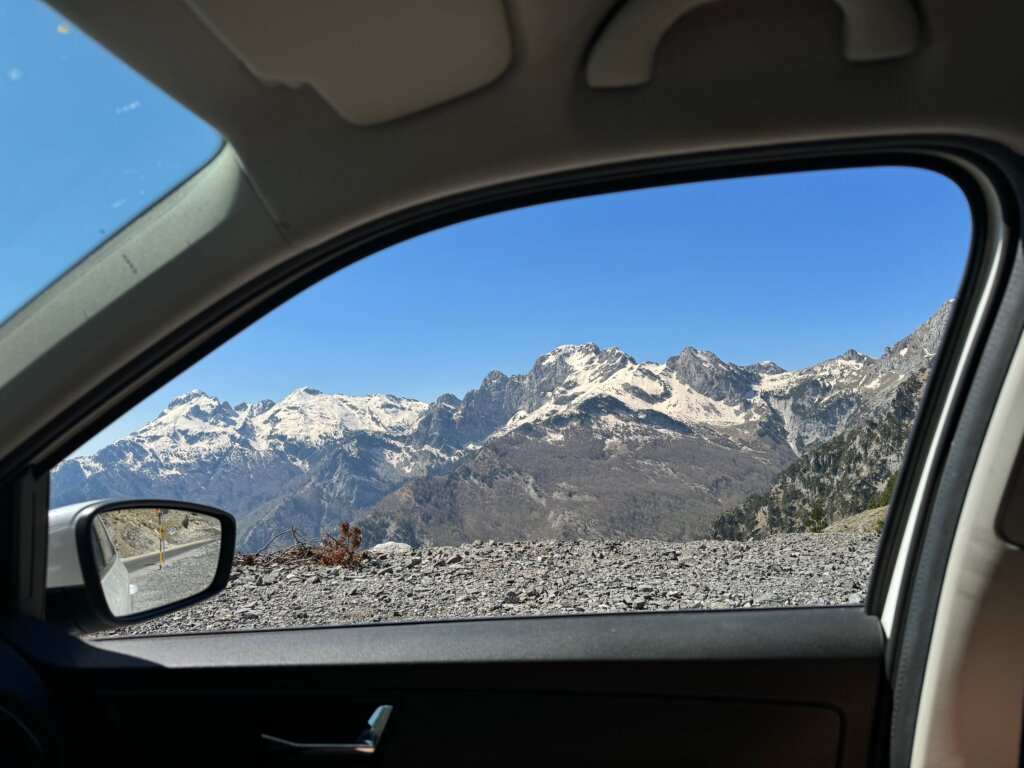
{"x":538,"y":577}
{"x":182,"y":575}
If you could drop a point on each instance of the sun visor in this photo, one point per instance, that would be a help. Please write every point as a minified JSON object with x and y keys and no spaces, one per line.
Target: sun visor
{"x":371,"y":60}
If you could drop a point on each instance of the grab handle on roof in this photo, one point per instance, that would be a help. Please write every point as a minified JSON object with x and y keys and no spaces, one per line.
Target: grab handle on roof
{"x":623,"y":54}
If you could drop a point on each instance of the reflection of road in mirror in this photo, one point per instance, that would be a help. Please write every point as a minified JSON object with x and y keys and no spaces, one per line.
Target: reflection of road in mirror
{"x":187,"y":570}
{"x":150,"y":558}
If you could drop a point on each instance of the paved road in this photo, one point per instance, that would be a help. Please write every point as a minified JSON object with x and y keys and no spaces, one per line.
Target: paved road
{"x":187,"y":571}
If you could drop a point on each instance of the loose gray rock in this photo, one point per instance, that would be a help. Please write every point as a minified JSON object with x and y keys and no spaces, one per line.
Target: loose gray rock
{"x":524,"y":578}
{"x":392,"y":548}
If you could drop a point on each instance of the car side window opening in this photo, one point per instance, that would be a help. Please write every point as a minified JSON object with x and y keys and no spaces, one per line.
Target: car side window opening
{"x":694,"y":396}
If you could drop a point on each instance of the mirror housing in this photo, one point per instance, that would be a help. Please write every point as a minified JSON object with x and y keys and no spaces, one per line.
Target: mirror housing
{"x":85,"y":572}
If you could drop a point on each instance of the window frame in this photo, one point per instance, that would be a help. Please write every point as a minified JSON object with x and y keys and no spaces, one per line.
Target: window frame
{"x":974,"y":166}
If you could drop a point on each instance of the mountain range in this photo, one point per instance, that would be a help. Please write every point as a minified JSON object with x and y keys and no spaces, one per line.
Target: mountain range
{"x":589,"y":443}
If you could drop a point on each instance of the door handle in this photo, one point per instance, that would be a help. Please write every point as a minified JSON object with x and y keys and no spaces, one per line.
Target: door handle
{"x":365,"y":743}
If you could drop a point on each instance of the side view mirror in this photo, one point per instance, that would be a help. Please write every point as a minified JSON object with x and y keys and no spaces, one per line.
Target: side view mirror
{"x":113,"y":563}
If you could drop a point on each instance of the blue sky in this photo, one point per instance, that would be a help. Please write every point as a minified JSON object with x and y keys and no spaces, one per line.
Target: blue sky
{"x":794,"y":268}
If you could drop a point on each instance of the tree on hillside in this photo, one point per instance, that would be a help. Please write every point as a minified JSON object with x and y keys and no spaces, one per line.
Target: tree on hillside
{"x":884,"y":497}
{"x":815,"y":521}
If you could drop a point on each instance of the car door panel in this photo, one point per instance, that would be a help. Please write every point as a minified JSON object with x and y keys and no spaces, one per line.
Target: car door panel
{"x":767,"y":687}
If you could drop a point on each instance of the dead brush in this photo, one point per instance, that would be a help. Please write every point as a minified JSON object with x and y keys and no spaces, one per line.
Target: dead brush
{"x":342,"y":549}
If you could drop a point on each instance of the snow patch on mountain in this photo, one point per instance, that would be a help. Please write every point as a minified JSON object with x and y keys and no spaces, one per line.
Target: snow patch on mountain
{"x":639,"y":387}
{"x":194,"y":426}
{"x":309,"y":417}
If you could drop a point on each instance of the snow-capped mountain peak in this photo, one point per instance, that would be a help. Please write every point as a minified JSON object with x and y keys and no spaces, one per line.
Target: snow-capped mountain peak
{"x":308,"y":416}
{"x":337,"y":454}
{"x":706,"y":373}
{"x":765,"y":368}
{"x":578,"y":362}
{"x":188,"y":397}
{"x":194,"y":412}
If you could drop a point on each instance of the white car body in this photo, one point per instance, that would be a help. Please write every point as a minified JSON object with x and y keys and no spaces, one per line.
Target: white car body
{"x":64,"y":569}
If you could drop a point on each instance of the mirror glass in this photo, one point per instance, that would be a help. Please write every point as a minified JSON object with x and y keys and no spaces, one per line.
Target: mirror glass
{"x":150,"y":558}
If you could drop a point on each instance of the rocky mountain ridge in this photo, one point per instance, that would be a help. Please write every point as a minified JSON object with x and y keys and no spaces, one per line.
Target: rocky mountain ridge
{"x":587,"y":443}
{"x":836,"y":478}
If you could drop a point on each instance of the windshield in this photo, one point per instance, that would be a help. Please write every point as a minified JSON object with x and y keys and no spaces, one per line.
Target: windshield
{"x":86,"y":144}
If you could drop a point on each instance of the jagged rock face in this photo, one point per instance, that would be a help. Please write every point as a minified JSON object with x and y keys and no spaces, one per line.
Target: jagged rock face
{"x":600,"y":471}
{"x":916,"y":351}
{"x":837,"y":477}
{"x":765,"y":368}
{"x":487,"y":409}
{"x":706,"y":374}
{"x":589,"y":442}
{"x":438,"y":427}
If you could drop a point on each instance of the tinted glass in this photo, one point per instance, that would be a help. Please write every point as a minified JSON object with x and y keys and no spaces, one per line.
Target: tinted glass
{"x":86,"y":145}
